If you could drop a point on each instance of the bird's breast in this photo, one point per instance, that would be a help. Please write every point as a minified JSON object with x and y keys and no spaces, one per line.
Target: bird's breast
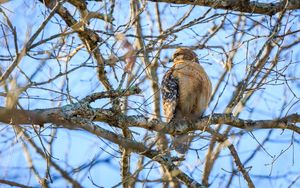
{"x":194,"y":89}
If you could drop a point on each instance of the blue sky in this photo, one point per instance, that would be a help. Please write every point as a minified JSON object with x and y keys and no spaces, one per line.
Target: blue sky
{"x":74,"y":148}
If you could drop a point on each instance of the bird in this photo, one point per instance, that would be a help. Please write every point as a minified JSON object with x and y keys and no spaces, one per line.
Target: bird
{"x":186,"y":91}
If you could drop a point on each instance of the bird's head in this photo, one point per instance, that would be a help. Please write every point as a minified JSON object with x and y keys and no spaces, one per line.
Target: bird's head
{"x":185,"y":54}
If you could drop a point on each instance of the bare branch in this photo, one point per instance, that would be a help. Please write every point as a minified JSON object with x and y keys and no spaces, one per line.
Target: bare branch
{"x":240,"y":5}
{"x":15,"y":184}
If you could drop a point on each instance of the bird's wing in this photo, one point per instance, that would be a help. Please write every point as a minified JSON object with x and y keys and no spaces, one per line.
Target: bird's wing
{"x":170,"y":94}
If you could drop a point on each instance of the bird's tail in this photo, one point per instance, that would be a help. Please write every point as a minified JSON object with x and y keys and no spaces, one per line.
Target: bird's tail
{"x":181,"y":143}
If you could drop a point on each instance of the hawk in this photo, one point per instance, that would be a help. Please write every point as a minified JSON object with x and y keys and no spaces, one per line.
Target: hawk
{"x":186,"y":91}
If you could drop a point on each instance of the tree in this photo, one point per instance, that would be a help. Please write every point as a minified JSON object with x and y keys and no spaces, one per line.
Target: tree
{"x":80,"y":93}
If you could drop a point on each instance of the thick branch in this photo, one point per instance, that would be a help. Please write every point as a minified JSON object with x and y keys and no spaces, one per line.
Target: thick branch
{"x":287,"y":122}
{"x":240,"y":5}
{"x":60,"y":116}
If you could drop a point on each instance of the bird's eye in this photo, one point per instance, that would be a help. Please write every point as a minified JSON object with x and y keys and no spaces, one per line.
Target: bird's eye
{"x":178,"y":54}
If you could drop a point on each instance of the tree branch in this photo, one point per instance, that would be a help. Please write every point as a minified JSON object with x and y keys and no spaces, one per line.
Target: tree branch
{"x":136,"y":147}
{"x":240,"y":5}
{"x":62,"y":115}
{"x":14,"y":184}
{"x":89,"y":37}
{"x":287,"y":122}
{"x":81,"y":116}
